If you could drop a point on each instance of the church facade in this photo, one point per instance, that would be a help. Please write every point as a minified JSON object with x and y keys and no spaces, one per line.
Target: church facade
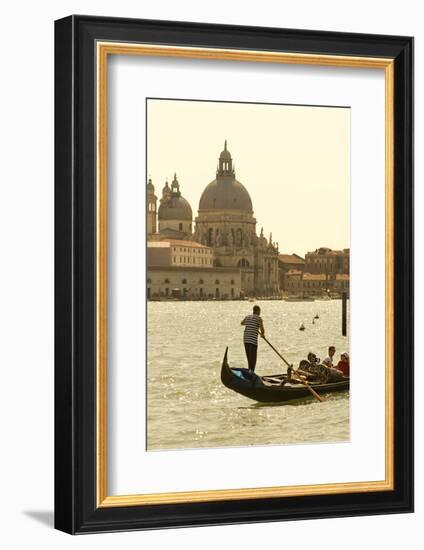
{"x":225,"y":223}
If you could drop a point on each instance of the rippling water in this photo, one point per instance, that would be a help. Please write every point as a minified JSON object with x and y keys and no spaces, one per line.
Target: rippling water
{"x":188,"y":407}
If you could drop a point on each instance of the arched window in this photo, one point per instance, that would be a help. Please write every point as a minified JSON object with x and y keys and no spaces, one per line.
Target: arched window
{"x":149,"y":281}
{"x":184,"y":281}
{"x":201,"y":281}
{"x":243,"y":263}
{"x":210,"y":236}
{"x":167,"y":281}
{"x":217,"y":282}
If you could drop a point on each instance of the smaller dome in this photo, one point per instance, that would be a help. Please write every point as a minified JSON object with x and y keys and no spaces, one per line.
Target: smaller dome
{"x":175,"y":208}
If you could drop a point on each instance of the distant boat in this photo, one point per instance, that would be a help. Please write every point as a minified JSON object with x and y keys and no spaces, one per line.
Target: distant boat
{"x":316,"y":316}
{"x":268,"y":389}
{"x":302,"y":327}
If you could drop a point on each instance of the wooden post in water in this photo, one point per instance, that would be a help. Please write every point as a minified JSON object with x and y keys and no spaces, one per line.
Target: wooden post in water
{"x":344,"y":313}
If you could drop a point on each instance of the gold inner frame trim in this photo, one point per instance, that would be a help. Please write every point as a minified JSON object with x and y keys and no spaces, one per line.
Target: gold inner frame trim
{"x":104,"y":49}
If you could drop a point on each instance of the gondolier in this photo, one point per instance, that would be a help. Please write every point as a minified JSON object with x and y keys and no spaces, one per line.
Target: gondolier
{"x":253,"y":325}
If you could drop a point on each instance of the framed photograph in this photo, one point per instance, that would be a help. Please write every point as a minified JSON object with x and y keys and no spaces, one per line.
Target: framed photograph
{"x":234,"y":274}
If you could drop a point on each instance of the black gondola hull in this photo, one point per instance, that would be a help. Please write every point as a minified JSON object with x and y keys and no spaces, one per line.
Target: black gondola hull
{"x":255,"y":387}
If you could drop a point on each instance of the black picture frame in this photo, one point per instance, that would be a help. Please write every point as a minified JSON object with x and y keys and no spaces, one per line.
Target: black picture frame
{"x":76,"y":510}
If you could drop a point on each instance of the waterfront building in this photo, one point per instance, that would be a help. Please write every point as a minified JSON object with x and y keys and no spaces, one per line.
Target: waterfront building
{"x":226,"y":225}
{"x":185,"y":269}
{"x":341,"y":283}
{"x":304,"y":285}
{"x":179,"y":253}
{"x":325,"y":260}
{"x":286,"y":263}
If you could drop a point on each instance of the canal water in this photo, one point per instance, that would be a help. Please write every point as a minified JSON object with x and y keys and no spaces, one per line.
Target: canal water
{"x":187,"y":405}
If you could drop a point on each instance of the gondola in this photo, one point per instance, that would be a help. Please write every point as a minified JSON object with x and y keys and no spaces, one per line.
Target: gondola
{"x":268,"y":389}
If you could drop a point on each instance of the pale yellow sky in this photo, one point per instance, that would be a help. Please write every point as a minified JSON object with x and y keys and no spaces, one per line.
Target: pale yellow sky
{"x":293,"y":160}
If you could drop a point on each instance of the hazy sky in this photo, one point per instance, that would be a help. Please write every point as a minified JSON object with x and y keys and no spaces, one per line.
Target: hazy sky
{"x":293,"y":160}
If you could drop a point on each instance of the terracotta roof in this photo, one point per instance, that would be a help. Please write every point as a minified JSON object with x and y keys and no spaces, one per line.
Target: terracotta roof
{"x":291,"y":259}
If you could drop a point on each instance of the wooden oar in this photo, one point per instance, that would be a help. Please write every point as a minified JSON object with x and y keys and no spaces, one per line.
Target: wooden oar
{"x":313,"y":392}
{"x":277,"y":352}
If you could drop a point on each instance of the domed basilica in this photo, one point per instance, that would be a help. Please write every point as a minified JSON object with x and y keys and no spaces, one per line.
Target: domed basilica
{"x":225,"y":223}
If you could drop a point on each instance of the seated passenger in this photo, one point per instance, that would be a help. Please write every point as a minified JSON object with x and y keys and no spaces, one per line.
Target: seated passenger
{"x":312,"y":369}
{"x":328,"y":361}
{"x":343,"y":364}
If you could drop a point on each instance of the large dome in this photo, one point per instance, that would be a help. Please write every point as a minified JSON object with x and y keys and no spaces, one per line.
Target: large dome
{"x":225,"y":194}
{"x":175,"y":208}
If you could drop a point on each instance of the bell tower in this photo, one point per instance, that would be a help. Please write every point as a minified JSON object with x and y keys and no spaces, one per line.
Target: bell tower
{"x":151,"y":208}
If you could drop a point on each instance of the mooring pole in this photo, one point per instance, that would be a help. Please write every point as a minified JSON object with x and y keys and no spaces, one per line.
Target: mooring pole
{"x":344,"y":313}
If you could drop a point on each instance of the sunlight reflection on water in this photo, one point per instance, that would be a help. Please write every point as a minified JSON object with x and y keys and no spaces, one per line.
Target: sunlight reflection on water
{"x":188,"y":407}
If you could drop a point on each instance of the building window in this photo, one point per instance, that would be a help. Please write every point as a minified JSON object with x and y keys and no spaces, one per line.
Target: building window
{"x":184,"y":281}
{"x":180,"y":226}
{"x":149,"y":281}
{"x":167,"y":281}
{"x":243,"y":263}
{"x":232,"y":281}
{"x":167,"y":291}
{"x":201,"y":281}
{"x":217,"y":282}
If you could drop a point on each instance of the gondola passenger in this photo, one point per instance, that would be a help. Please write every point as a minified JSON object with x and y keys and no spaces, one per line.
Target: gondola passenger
{"x":328,"y":361}
{"x":343,"y":364}
{"x":253,"y":325}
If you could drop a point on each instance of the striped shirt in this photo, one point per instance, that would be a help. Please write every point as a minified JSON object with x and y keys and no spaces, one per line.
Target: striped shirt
{"x":251,"y":329}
